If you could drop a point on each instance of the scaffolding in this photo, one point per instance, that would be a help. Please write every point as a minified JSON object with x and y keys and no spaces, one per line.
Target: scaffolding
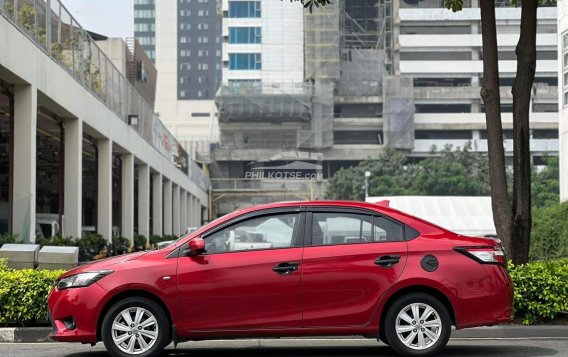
{"x":264,"y":102}
{"x":347,"y":53}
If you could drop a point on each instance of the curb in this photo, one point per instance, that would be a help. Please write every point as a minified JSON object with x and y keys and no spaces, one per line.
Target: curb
{"x":40,"y":334}
{"x":513,"y":331}
{"x":25,"y":334}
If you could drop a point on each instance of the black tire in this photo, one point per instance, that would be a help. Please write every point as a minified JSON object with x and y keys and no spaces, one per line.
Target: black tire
{"x":383,"y":337}
{"x":432,"y":348}
{"x":162,"y":325}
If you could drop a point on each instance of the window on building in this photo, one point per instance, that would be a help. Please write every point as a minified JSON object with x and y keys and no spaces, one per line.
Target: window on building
{"x":185,"y":66}
{"x":244,"y":9}
{"x":147,"y":14}
{"x":200,"y":115}
{"x":184,"y":26}
{"x":358,"y":137}
{"x":245,"y":35}
{"x":245,"y":61}
{"x":185,"y":12}
{"x":443,"y":134}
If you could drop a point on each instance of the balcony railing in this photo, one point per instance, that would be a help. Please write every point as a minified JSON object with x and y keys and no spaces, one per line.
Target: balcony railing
{"x":49,"y":25}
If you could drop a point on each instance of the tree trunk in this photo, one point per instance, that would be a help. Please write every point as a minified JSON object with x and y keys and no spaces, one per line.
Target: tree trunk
{"x":502,"y":214}
{"x":522,"y":87}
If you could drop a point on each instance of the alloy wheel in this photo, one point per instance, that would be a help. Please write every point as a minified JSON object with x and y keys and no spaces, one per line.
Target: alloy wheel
{"x":134,"y":330}
{"x":418,"y":326}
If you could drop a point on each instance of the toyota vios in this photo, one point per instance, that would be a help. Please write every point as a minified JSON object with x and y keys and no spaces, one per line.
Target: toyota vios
{"x":290,"y":269}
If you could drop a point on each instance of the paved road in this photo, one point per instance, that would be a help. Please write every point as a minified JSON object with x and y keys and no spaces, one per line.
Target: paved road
{"x":305,"y":348}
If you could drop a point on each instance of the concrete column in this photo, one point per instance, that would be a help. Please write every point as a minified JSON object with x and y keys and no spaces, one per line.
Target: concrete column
{"x":104,"y":190}
{"x":128,"y":197}
{"x":183,"y":207}
{"x":168,"y":207}
{"x":177,"y":210}
{"x":144,"y":200}
{"x":194,"y":209}
{"x":198,"y":213}
{"x":73,"y":178}
{"x":157,"y":204}
{"x":189,"y":210}
{"x":24,"y":190}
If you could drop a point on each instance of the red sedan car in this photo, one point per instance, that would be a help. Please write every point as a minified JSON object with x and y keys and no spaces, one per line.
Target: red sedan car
{"x":324,"y":268}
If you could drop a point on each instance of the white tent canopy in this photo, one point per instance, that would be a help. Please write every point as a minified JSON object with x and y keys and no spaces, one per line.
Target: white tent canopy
{"x":471,"y":216}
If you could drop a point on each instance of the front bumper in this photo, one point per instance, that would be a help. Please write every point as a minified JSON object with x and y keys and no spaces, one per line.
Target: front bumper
{"x":73,"y":313}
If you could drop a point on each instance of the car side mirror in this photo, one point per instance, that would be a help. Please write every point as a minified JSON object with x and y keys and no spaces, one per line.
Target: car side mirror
{"x":196,"y":247}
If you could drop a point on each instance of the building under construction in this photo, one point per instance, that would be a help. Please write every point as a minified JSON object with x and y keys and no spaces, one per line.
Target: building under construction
{"x":305,"y":94}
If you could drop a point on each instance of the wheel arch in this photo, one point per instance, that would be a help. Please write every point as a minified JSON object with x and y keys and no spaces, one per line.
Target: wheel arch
{"x":127,"y":294}
{"x":417,"y":289}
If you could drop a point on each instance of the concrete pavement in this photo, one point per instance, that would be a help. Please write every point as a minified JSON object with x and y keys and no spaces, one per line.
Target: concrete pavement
{"x":458,"y":347}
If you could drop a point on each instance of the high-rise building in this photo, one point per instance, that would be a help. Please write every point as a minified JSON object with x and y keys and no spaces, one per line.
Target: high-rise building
{"x":364,"y":75}
{"x":145,"y":26}
{"x":184,"y":39}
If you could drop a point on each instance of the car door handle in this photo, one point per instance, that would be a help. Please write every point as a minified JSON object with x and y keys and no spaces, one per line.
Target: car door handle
{"x":388,"y":260}
{"x":285,"y":268}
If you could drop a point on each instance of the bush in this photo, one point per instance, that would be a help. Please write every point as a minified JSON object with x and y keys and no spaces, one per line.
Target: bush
{"x":120,"y":245}
{"x":541,"y":290}
{"x":549,"y":235}
{"x":140,"y":242}
{"x":7,"y":238}
{"x":3,"y":264}
{"x":23,"y":295}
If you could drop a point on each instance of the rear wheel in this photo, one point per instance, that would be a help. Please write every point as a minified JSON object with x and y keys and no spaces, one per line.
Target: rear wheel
{"x":417,"y":325}
{"x":135,"y":327}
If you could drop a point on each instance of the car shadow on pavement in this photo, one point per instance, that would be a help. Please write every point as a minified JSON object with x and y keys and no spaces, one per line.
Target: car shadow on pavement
{"x":454,"y":351}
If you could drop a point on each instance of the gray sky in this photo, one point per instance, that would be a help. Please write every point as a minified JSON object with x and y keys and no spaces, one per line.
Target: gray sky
{"x":112,"y":18}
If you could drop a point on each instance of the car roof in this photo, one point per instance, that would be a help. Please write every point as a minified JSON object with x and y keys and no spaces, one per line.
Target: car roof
{"x":378,"y":207}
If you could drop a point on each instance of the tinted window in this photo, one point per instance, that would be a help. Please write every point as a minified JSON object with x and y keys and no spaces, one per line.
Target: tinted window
{"x":387,"y":230}
{"x":341,"y":228}
{"x":268,"y":232}
{"x":346,"y":228}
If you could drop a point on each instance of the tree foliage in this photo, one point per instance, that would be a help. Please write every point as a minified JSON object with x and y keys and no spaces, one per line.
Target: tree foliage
{"x":549,"y":236}
{"x":309,"y":4}
{"x":546,"y":184}
{"x":448,"y":172}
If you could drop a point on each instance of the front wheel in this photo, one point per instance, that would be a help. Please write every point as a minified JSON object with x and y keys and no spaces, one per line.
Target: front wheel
{"x":417,"y":325}
{"x":135,"y":327}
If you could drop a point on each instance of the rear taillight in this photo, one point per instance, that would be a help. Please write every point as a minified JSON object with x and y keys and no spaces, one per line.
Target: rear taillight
{"x":485,"y":255}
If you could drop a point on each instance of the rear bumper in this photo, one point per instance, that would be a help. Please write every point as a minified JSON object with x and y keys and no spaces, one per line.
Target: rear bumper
{"x":73,"y":313}
{"x":484,"y":302}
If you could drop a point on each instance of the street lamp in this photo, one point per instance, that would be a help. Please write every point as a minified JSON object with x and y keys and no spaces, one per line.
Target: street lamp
{"x":367,"y":175}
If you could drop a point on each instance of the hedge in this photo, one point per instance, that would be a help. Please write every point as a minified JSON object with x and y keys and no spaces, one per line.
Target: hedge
{"x":23,"y":295}
{"x":541,"y":292}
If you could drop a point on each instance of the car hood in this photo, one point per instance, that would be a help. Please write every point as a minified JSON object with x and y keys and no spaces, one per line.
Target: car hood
{"x":108,"y":263}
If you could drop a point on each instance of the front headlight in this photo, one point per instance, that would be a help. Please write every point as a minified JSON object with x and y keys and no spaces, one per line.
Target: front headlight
{"x":82,"y":279}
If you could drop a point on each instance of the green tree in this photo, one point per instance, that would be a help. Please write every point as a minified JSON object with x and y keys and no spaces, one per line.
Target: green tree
{"x":448,"y":172}
{"x":545,"y":184}
{"x":512,"y":221}
{"x":388,"y":175}
{"x":454,"y":173}
{"x":549,"y":236}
